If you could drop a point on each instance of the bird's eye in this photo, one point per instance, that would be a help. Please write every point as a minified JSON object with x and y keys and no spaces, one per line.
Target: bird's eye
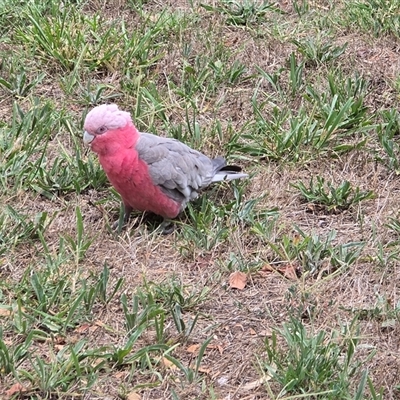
{"x":102,"y":129}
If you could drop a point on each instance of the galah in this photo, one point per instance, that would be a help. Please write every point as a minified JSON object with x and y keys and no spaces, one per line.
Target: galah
{"x":151,"y":173}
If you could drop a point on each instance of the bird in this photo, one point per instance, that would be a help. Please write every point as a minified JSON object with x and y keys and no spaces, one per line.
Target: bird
{"x":150,"y":172}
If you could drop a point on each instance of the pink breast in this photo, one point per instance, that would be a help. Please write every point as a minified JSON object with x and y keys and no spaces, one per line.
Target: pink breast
{"x":131,"y":179}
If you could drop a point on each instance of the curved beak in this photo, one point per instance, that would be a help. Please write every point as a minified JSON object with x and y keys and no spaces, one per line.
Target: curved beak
{"x":87,"y":138}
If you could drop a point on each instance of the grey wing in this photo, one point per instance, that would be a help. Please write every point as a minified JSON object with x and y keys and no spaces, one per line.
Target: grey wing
{"x":179,"y":170}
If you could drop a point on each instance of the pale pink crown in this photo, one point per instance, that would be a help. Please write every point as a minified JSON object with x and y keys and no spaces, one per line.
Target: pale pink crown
{"x":108,"y":115}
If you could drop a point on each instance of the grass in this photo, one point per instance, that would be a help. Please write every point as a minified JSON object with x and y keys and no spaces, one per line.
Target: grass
{"x":333,"y":198}
{"x":303,"y":95}
{"x":320,"y":364}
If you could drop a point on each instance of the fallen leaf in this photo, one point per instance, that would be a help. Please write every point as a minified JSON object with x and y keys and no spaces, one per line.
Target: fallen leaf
{"x":311,"y":207}
{"x":55,"y":340}
{"x":237,"y":280}
{"x":265,"y":271}
{"x":133,"y":396}
{"x":255,"y":384}
{"x":120,"y":375}
{"x":267,"y":268}
{"x":168,"y":364}
{"x":204,"y":370}
{"x":216,"y":347}
{"x":289,"y":271}
{"x":16,"y":388}
{"x":194,"y":348}
{"x":230,"y":42}
{"x":97,"y":362}
{"x":89,"y":327}
{"x":59,"y":340}
{"x":82,"y":328}
{"x":252,"y":331}
{"x":265,"y":332}
{"x":5,"y":312}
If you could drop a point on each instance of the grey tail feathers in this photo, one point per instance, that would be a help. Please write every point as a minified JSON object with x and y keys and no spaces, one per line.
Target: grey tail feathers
{"x":226,"y":172}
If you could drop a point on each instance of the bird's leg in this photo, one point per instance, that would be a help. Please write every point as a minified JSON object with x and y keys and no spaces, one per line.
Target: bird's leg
{"x":127,"y":212}
{"x":167,"y":226}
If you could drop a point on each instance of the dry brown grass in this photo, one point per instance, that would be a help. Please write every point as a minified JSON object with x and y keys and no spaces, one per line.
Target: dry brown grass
{"x":238,"y":321}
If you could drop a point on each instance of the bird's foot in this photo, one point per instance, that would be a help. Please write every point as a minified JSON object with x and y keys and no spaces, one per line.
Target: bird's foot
{"x":167,"y":227}
{"x":122,"y":221}
{"x":118,"y":226}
